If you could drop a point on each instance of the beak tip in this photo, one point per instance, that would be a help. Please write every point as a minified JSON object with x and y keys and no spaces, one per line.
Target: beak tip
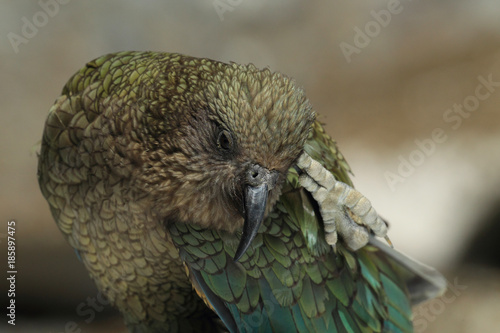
{"x":238,"y":255}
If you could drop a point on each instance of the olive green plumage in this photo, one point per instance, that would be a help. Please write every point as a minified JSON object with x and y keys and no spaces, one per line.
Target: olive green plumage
{"x":144,"y":163}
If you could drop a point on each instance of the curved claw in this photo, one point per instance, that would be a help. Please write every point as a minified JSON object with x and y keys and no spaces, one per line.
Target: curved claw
{"x":344,"y":210}
{"x":255,"y":207}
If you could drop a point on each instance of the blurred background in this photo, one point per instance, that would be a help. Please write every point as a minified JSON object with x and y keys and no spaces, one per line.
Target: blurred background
{"x":409,"y":89}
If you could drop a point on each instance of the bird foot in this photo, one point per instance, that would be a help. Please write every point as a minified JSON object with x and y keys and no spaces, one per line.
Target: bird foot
{"x":344,"y":210}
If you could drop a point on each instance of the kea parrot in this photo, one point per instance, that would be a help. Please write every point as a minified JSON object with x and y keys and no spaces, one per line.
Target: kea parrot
{"x":203,"y":196}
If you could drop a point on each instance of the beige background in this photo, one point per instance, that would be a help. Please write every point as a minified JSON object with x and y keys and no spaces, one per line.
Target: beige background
{"x":397,"y":89}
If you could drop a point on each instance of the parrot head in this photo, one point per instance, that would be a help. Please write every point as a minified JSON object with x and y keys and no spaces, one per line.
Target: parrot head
{"x":235,"y":132}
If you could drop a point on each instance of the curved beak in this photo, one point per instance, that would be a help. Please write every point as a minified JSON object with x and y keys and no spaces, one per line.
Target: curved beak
{"x":255,"y":207}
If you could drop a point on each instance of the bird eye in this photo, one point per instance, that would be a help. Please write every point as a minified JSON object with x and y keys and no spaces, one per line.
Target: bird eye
{"x":224,"y":140}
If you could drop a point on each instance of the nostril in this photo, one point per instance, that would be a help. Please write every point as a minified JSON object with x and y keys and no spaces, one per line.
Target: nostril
{"x":255,"y":174}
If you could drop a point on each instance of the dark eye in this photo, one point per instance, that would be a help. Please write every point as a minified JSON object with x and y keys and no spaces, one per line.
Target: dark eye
{"x":225,"y":140}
